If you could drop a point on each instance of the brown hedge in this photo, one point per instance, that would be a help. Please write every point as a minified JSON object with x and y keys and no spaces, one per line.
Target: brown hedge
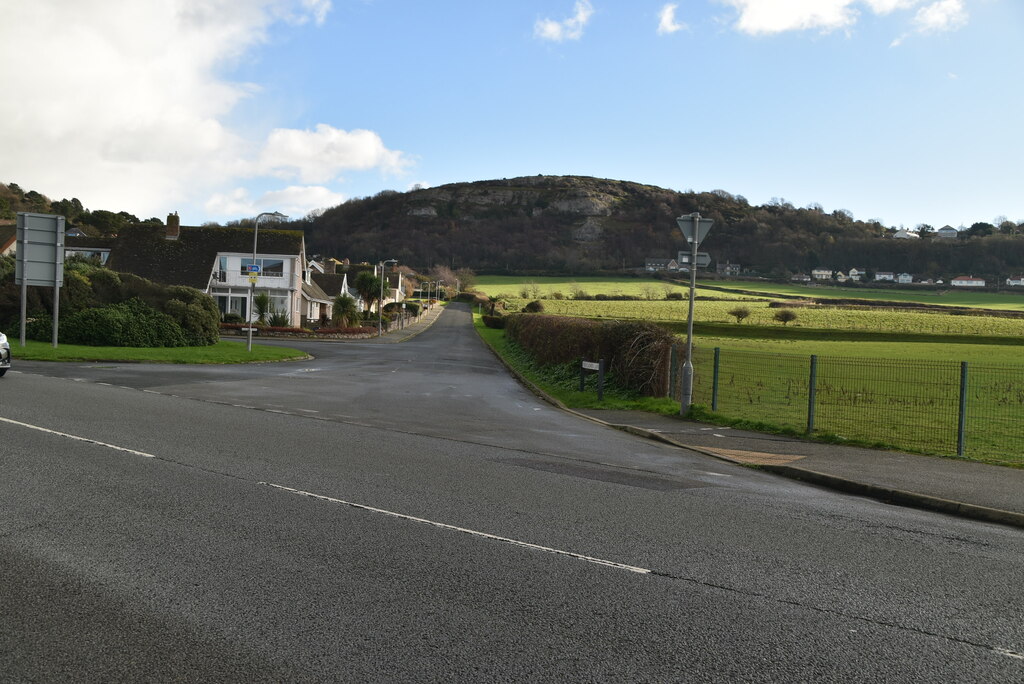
{"x":636,"y":352}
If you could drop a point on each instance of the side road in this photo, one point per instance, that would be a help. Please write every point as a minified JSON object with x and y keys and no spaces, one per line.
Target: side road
{"x":973,"y":490}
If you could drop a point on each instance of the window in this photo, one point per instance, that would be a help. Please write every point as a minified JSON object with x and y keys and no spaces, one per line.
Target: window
{"x":268,"y":267}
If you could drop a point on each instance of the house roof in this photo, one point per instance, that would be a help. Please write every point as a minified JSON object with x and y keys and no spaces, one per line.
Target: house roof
{"x":314,"y":292}
{"x":144,"y":251}
{"x":329,"y":283}
{"x":8,"y":234}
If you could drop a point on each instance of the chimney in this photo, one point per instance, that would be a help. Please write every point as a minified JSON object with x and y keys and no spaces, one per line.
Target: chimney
{"x":173,"y":226}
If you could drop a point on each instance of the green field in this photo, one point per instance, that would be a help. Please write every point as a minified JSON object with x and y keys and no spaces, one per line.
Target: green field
{"x":513,"y":285}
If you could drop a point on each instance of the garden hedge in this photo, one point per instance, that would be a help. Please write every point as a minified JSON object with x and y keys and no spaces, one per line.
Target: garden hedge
{"x":636,"y":352}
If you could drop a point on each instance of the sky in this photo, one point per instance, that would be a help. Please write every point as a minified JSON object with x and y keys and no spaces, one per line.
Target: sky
{"x":902,"y":111}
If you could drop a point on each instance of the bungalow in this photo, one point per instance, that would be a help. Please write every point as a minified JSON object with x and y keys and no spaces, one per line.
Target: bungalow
{"x":218,"y":261}
{"x":800,"y":278}
{"x":888,"y":276}
{"x":947,"y":233}
{"x":904,"y":234}
{"x":856,"y":274}
{"x":657,"y":264}
{"x":904,"y":279}
{"x":967,"y":281}
{"x":8,"y":239}
{"x":1016,"y":282}
{"x":727,"y":269}
{"x":822,"y":274}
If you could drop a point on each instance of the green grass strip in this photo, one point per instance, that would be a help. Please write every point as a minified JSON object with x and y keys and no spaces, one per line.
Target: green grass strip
{"x":221,"y":353}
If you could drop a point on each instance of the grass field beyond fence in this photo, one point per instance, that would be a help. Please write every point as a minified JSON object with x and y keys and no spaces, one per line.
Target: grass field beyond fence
{"x":911,"y":405}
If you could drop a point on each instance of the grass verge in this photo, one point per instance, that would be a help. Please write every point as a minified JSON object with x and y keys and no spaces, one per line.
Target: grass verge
{"x":222,"y":352}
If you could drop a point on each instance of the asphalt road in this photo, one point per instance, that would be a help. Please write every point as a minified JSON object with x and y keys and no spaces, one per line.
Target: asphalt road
{"x":409,"y":513}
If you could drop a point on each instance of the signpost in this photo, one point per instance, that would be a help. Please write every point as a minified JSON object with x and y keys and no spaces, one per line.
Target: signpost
{"x":593,"y":366}
{"x":695,"y":229}
{"x":40,"y":260}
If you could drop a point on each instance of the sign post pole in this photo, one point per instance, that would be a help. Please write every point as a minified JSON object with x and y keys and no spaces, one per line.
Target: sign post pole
{"x":695,"y":229}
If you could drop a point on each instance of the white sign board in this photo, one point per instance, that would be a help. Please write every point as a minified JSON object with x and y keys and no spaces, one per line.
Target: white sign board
{"x":591,"y":365}
{"x":40,"y":250}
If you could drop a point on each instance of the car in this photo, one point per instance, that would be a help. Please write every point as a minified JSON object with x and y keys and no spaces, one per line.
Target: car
{"x":5,"y":354}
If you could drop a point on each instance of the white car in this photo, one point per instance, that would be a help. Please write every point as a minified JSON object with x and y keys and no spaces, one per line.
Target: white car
{"x":5,"y":354}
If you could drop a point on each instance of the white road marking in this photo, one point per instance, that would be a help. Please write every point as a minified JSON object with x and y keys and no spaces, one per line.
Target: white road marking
{"x":476,"y":533}
{"x":76,"y":437}
{"x":1008,"y":653}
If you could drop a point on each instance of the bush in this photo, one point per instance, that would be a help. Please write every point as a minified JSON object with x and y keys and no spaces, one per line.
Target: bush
{"x":128,"y":324}
{"x":675,"y":296}
{"x":534,"y":307}
{"x":635,"y":352}
{"x":232,"y":317}
{"x":494,"y":321}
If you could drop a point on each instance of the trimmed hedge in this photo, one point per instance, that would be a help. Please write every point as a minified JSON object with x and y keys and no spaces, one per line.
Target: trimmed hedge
{"x":635,"y":352}
{"x":128,"y":324}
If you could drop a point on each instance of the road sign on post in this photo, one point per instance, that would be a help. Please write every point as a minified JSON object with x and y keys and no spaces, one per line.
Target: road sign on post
{"x":40,"y":260}
{"x":695,"y":229}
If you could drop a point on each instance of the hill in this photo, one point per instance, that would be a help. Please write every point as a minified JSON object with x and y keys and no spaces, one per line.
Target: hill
{"x":573,"y":224}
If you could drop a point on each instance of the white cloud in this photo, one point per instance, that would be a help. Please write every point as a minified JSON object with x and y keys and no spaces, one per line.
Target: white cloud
{"x":758,"y":17}
{"x":944,"y":15}
{"x":319,"y":156}
{"x":134,"y":113}
{"x":764,"y":17}
{"x":294,"y":201}
{"x":667,"y":20}
{"x":569,"y":29}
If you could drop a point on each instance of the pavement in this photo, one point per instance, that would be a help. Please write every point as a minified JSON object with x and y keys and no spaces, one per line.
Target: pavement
{"x":424,"y":321}
{"x":958,"y":487}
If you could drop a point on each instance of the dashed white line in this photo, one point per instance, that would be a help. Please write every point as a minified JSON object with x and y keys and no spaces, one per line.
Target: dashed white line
{"x":464,"y":530}
{"x":76,"y":437}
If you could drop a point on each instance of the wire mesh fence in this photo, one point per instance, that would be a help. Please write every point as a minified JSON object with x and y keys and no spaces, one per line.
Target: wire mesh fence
{"x":942,"y":407}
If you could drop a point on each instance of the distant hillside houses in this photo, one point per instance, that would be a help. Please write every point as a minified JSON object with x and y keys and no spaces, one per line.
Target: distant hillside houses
{"x":653,"y":264}
{"x":947,"y":233}
{"x":1016,"y":282}
{"x":904,"y":234}
{"x":967,"y":281}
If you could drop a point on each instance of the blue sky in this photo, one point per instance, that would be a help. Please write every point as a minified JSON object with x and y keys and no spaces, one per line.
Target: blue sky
{"x":908,"y":111}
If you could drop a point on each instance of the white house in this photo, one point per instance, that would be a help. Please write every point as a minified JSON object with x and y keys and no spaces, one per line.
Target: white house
{"x":904,"y":279}
{"x":904,"y":234}
{"x":967,"y":281}
{"x":947,"y":233}
{"x":1016,"y":282}
{"x":856,"y":274}
{"x":657,"y":264}
{"x":885,"y":275}
{"x":822,"y":274}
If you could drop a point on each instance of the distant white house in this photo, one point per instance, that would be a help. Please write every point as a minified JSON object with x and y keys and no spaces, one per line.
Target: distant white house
{"x":652,"y":264}
{"x":947,"y":233}
{"x":822,"y":274}
{"x":1017,"y":282}
{"x":855,"y":274}
{"x":841,"y":277}
{"x":967,"y":281}
{"x":904,"y":279}
{"x":801,"y":278}
{"x":904,"y":234}
{"x":727,"y":269}
{"x":885,"y":275}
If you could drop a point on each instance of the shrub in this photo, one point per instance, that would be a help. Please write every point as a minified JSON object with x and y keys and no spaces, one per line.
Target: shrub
{"x":494,"y":321}
{"x":128,"y":324}
{"x":635,"y":352}
{"x":536,"y":306}
{"x":676,"y":296}
{"x":739,"y":313}
{"x":232,"y":317}
{"x":785,"y":316}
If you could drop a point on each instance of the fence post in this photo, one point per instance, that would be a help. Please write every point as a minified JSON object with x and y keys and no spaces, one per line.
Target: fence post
{"x":600,"y":380}
{"x":962,"y":422}
{"x":812,"y":391}
{"x":714,"y":381}
{"x":583,"y":373}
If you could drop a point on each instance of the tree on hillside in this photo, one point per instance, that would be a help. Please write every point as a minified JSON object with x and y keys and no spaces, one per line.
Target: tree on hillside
{"x":785,"y":316}
{"x":739,"y":313}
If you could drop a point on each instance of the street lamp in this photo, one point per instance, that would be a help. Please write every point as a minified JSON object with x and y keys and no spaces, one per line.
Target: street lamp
{"x":255,"y":269}
{"x":380,"y":303}
{"x":695,"y":229}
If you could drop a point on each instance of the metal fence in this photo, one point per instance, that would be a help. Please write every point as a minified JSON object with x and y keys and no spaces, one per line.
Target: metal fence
{"x":945,"y":407}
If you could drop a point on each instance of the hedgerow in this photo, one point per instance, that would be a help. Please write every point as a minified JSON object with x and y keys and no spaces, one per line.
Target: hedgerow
{"x":636,"y":352}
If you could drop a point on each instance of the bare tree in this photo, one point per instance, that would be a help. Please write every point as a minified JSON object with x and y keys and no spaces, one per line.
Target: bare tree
{"x":739,"y":313}
{"x":784,"y":316}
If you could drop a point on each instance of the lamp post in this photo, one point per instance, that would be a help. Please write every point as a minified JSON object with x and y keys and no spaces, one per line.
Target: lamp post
{"x":252,"y":274}
{"x":695,"y":229}
{"x":380,"y":303}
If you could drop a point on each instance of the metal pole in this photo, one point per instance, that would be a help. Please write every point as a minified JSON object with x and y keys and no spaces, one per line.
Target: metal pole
{"x":380,"y":303}
{"x":24,"y":306}
{"x":714,"y":381}
{"x":812,"y":393}
{"x":56,"y":313}
{"x":962,"y":422}
{"x":687,"y":392}
{"x":252,"y":276}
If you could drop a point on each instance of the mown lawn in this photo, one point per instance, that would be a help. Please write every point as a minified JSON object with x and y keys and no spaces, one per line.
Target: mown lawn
{"x":222,"y":352}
